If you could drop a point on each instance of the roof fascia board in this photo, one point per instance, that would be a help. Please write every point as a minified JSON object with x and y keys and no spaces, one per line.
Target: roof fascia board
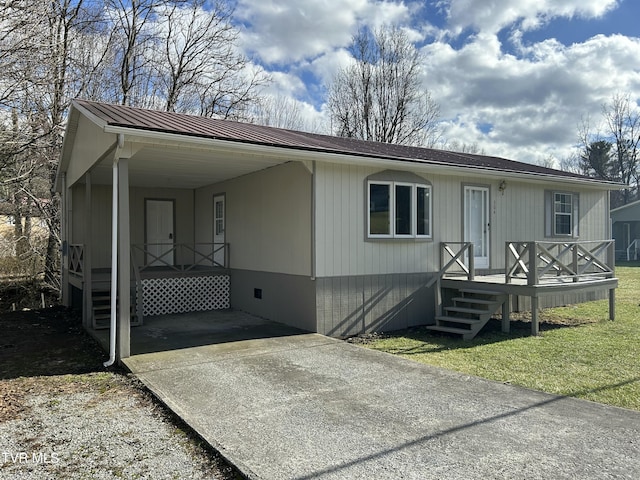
{"x":176,"y":139}
{"x":628,"y":205}
{"x":67,"y":145}
{"x":91,"y":116}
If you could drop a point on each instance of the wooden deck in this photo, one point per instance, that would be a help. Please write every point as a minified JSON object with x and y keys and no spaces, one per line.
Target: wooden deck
{"x":532,"y":269}
{"x":546,"y":286}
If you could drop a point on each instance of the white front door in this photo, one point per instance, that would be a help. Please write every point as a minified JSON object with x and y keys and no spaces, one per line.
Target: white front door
{"x":159,"y":232}
{"x":219,"y":231}
{"x":476,"y":223}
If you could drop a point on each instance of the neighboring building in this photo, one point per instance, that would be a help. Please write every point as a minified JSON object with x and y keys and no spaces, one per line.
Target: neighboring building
{"x":332,"y":235}
{"x":625,"y":228}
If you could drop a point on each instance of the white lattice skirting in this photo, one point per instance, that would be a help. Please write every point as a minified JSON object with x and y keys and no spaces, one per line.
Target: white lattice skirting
{"x":162,"y":296}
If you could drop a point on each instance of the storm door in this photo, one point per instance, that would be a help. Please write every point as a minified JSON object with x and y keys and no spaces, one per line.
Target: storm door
{"x":476,"y":223}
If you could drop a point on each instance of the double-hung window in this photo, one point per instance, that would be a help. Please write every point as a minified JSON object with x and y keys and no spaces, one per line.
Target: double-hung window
{"x":398,"y":210}
{"x":562,"y":214}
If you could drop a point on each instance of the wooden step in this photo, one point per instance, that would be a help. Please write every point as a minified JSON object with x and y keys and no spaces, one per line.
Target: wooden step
{"x":466,"y":334}
{"x":468,"y":321}
{"x":472,"y":311}
{"x":479,"y":301}
{"x":481,"y":292}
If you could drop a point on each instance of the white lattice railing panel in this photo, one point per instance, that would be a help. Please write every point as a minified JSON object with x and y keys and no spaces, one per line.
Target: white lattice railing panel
{"x":190,"y":294}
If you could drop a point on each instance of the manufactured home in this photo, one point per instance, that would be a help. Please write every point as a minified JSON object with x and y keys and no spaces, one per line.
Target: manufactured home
{"x":179,"y":213}
{"x":625,"y":227}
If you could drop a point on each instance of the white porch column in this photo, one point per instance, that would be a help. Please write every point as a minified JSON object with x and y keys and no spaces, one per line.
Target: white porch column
{"x":123,"y":331}
{"x":87,"y":313}
{"x":65,"y":294}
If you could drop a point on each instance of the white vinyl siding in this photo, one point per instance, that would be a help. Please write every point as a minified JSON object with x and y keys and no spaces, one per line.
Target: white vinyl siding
{"x":267,"y":219}
{"x":517,"y":214}
{"x":342,"y":244}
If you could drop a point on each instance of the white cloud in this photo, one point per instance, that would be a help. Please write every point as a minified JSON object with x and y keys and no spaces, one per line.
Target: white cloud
{"x":284,"y":31}
{"x":491,"y":16}
{"x":533,"y":103}
{"x":523,"y":103}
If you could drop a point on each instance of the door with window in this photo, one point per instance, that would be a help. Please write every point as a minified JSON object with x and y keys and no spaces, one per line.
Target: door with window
{"x":219,"y":231}
{"x":476,"y":223}
{"x":159,"y":232}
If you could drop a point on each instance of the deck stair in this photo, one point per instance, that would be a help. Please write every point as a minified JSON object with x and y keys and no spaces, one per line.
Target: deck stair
{"x":101,"y":318}
{"x":471,"y":310}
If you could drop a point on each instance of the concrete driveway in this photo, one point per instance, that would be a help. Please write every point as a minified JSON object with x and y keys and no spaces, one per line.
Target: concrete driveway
{"x":304,"y":406}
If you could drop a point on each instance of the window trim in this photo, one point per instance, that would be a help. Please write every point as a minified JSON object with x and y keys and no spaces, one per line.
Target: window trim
{"x":556,"y":214}
{"x":551,"y":214}
{"x":392,"y":210}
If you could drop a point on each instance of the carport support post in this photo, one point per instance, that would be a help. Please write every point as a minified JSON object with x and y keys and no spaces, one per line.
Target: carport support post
{"x":123,"y":341}
{"x":87,"y":317}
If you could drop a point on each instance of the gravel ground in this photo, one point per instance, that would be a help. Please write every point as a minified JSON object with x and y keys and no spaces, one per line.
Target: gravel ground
{"x":92,"y":423}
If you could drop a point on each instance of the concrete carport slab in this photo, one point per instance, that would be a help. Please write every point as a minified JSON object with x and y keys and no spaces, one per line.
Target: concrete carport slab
{"x":305,"y":406}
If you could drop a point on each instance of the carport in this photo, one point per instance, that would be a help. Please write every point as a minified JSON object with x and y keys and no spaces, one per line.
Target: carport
{"x":113,"y":156}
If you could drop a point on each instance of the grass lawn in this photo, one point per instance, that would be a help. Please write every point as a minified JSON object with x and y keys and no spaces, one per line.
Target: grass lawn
{"x":579,"y":352}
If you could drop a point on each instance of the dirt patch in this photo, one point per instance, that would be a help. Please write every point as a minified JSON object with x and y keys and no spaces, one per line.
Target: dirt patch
{"x":366,"y":338}
{"x":63,"y":415}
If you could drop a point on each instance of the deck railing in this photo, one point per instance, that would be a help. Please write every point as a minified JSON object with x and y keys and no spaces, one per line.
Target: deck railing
{"x":536,"y":261}
{"x":180,"y":257}
{"x":76,"y":259}
{"x":455,"y":253}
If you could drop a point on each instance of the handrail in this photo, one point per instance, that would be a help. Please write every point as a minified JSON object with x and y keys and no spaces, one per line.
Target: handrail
{"x":636,"y":245}
{"x":455,"y":260}
{"x":207,"y":254}
{"x":139,"y":290}
{"x":76,"y":259}
{"x":575,"y":260}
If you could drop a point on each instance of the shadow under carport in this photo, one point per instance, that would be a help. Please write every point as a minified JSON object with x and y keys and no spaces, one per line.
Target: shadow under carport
{"x":187,"y":330}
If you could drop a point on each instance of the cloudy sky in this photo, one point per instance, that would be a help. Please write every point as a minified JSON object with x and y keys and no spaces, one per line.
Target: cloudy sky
{"x":513,"y":76}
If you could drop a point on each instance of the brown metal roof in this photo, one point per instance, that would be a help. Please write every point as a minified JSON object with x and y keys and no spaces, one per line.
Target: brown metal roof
{"x":195,"y":126}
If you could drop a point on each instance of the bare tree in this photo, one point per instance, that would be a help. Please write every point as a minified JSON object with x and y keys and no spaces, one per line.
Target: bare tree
{"x":571,"y":163}
{"x":47,"y":31}
{"x":180,"y":55}
{"x":623,"y":123}
{"x":280,"y":112}
{"x":198,"y":53}
{"x":380,"y":96}
{"x":612,"y":152}
{"x":174,"y":54}
{"x":132,"y":40}
{"x":462,"y":147}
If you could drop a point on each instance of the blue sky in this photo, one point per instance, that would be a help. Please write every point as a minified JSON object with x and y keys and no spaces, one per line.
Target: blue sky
{"x":514,"y":77}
